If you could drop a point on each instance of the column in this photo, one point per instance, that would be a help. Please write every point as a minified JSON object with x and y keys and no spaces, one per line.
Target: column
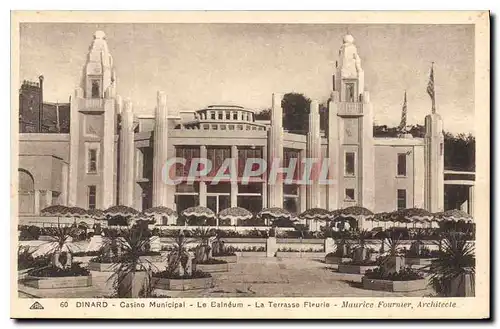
{"x":127,"y":149}
{"x":434,"y":163}
{"x":302,"y":187}
{"x":367,"y":156}
{"x":264,"y":177}
{"x":37,"y":202}
{"x":160,"y":145}
{"x":471,"y":201}
{"x":313,"y":153}
{"x":203,"y":184}
{"x":63,"y":198}
{"x":234,"y":177}
{"x":333,"y":154}
{"x":276,"y":152}
{"x":75,"y":117}
{"x":48,"y":198}
{"x":108,"y":155}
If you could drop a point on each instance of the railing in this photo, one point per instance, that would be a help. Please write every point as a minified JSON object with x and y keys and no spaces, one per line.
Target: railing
{"x":91,"y":104}
{"x":346,"y":108}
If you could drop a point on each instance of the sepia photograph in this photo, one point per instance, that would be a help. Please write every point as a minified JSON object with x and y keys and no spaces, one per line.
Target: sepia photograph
{"x":212,"y":166}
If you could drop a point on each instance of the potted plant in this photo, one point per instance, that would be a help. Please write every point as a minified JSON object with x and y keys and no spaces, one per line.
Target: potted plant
{"x":360,"y":252}
{"x":203,"y":251}
{"x":132,"y":274}
{"x":391,"y":260}
{"x":61,"y":272}
{"x":452,"y":273}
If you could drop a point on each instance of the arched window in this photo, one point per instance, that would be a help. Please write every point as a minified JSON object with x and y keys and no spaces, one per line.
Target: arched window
{"x":26,"y":192}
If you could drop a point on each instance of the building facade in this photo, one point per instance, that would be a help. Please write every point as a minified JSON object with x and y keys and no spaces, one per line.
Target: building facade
{"x":111,"y":156}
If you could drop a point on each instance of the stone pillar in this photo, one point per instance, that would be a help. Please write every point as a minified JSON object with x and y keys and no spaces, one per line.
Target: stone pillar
{"x":203,"y":185}
{"x":271,"y":247}
{"x":63,"y":197}
{"x":264,"y":176}
{"x":108,"y":155}
{"x":160,"y":190}
{"x":314,"y":154}
{"x":127,"y":149}
{"x":275,"y":136}
{"x":74,"y":144}
{"x":37,"y":202}
{"x":329,"y":245}
{"x":434,"y":163}
{"x":234,"y":177}
{"x":48,"y":198}
{"x":302,"y":187}
{"x":471,"y":201}
{"x":333,"y":154}
{"x":367,"y":156}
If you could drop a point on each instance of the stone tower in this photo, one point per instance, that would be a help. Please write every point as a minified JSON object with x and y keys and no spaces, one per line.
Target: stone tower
{"x":350,"y":134}
{"x":92,"y":174}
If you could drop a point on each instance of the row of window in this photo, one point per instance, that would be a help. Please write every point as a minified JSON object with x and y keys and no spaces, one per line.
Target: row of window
{"x":249,"y":197}
{"x":350,"y":164}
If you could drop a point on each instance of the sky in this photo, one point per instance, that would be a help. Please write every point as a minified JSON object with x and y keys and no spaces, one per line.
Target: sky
{"x":243,"y":64}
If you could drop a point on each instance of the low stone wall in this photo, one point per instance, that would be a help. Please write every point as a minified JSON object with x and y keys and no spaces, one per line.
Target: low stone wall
{"x":183,"y":284}
{"x":355,"y":269}
{"x":212,"y":268}
{"x":394,"y":286}
{"x":58,"y":282}
{"x":287,"y":254}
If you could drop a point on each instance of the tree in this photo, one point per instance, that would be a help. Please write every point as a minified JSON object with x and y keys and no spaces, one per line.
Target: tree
{"x":263,"y":115}
{"x":296,"y":113}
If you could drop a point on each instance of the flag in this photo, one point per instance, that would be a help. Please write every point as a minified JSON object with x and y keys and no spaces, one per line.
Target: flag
{"x":402,"y":124}
{"x":430,"y":89}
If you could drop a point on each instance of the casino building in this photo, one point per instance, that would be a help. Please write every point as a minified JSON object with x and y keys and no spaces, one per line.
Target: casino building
{"x":112,"y":156}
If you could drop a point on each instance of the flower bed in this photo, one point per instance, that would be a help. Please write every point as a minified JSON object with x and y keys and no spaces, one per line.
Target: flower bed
{"x":335,"y":258}
{"x":411,"y":261}
{"x":171,"y":281}
{"x":213,"y":265}
{"x":405,"y":280}
{"x":394,"y":286}
{"x":54,"y":277}
{"x":229,"y":258}
{"x":298,"y":254}
{"x":355,"y":268}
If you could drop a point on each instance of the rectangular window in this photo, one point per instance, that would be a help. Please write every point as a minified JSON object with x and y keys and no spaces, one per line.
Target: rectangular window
{"x":92,"y":196}
{"x":401,"y":199}
{"x":212,"y":115}
{"x":350,"y":164}
{"x":349,"y":88}
{"x":349,"y":194}
{"x":402,"y":164}
{"x":92,"y":161}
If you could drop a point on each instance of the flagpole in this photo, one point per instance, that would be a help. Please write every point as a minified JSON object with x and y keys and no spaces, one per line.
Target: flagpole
{"x":434,"y":89}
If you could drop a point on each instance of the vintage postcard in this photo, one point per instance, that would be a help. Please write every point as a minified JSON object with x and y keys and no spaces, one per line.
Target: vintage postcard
{"x":250,"y":165}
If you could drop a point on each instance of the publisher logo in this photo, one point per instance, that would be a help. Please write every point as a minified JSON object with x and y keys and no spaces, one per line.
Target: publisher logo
{"x":36,"y":306}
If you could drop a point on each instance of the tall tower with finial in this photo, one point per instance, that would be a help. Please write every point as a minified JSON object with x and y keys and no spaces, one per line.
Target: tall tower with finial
{"x":350,"y":133}
{"x":434,"y":154}
{"x":92,"y":174}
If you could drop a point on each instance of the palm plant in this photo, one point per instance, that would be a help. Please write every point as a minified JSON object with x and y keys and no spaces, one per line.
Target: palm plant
{"x":179,"y":256}
{"x":218,"y":244}
{"x":132,"y":274}
{"x":391,"y":261}
{"x":453,"y":272}
{"x":417,"y":245}
{"x":343,"y":244}
{"x":59,"y":246}
{"x":360,"y":249}
{"x":204,"y":249}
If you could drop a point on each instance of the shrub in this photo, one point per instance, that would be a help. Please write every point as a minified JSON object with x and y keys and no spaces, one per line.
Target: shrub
{"x":167,"y":274}
{"x":212,"y":261}
{"x":75,"y":270}
{"x":28,"y":233}
{"x":25,"y":260}
{"x":406,"y":274}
